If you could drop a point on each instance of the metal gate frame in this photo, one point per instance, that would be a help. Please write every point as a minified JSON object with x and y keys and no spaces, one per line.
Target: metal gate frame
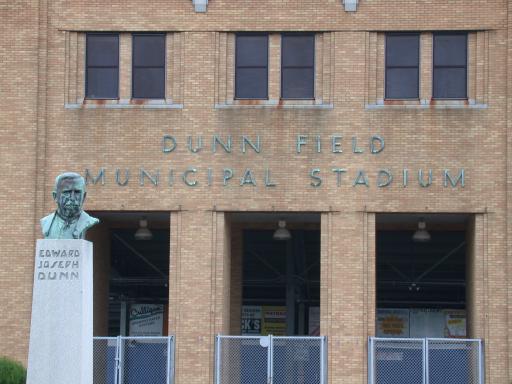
{"x":270,"y":353}
{"x":425,"y":355}
{"x":119,"y":355}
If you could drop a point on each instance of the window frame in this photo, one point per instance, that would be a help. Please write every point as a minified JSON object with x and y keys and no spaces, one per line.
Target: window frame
{"x":388,"y":34}
{"x":237,"y":35}
{"x":117,"y":35}
{"x":313,"y":67}
{"x":434,"y":66}
{"x":164,"y":67}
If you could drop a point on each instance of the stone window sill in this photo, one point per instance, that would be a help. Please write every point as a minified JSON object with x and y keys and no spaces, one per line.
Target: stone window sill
{"x":425,"y":104}
{"x":276,"y":104}
{"x":124,"y":104}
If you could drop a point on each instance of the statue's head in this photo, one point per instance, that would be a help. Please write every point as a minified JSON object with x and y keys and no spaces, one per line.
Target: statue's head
{"x":69,"y":194}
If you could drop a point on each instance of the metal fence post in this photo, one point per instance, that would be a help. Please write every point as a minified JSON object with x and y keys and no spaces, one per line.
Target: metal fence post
{"x":120,"y":367}
{"x":270,"y":362}
{"x":168,"y":373}
{"x":173,"y":357}
{"x":370,"y":360}
{"x":426,"y":378}
{"x":217,"y":359}
{"x":117,"y":360}
{"x":326,"y":360}
{"x":322,"y":361}
{"x":481,"y":365}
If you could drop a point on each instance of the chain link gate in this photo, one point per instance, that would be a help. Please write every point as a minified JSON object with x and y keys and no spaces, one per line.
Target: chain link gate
{"x":270,"y":360}
{"x":133,"y":360}
{"x":425,"y":361}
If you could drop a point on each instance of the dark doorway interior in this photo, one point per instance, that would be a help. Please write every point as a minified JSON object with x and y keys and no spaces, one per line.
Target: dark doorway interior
{"x":131,"y":273}
{"x":284,"y":276}
{"x":418,"y":275}
{"x":422,"y":279}
{"x":139,"y":274}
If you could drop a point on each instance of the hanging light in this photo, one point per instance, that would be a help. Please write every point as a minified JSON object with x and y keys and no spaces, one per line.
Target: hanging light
{"x":421,"y":235}
{"x":281,"y":232}
{"x":143,"y":233}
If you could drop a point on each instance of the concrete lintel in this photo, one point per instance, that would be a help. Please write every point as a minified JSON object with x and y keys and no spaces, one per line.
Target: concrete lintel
{"x":200,"y":5}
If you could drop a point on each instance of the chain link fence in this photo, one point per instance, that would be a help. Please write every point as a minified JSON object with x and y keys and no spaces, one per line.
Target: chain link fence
{"x":133,"y":360}
{"x":105,"y":354}
{"x":454,"y":361}
{"x":271,"y":360}
{"x":425,"y":361}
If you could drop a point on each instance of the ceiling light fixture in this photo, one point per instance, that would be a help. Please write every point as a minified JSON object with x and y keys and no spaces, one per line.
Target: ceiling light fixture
{"x":281,"y":232}
{"x":421,"y":235}
{"x":143,"y":233}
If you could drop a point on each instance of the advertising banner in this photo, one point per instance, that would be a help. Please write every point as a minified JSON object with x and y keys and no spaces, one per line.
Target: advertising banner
{"x":251,"y":320}
{"x":421,"y":322}
{"x":392,"y":323}
{"x":426,"y":322}
{"x":263,"y":320}
{"x":455,"y":323}
{"x":274,"y":321}
{"x":146,"y":319}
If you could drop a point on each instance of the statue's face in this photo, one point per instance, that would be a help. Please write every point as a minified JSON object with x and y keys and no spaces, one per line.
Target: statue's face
{"x":70,"y":197}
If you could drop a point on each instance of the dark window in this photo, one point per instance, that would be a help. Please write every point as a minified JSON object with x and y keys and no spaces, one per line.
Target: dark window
{"x":251,"y":72}
{"x":450,"y":65}
{"x":298,"y":66}
{"x":102,"y":66}
{"x":402,"y":65}
{"x":148,"y":66}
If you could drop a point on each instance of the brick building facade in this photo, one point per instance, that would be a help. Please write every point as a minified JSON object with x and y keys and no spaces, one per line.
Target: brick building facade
{"x":206,"y":163}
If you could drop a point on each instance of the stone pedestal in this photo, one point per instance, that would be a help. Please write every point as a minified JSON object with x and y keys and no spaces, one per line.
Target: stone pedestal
{"x":60,"y":350}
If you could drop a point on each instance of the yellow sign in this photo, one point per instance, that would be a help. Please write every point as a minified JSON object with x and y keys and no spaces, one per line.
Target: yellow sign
{"x":392,"y":322}
{"x":274,"y":321}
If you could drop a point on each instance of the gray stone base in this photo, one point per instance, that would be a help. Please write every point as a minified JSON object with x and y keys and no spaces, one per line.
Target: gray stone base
{"x":60,"y":349}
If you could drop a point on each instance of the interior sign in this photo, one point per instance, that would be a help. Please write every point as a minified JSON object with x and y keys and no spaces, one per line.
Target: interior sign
{"x":146,"y":319}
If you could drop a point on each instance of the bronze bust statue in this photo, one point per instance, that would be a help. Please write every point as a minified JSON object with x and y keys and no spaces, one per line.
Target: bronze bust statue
{"x":69,"y":221}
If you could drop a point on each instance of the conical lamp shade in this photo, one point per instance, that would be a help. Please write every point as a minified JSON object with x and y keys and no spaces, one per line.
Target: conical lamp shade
{"x":282,"y":233}
{"x":143,"y":233}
